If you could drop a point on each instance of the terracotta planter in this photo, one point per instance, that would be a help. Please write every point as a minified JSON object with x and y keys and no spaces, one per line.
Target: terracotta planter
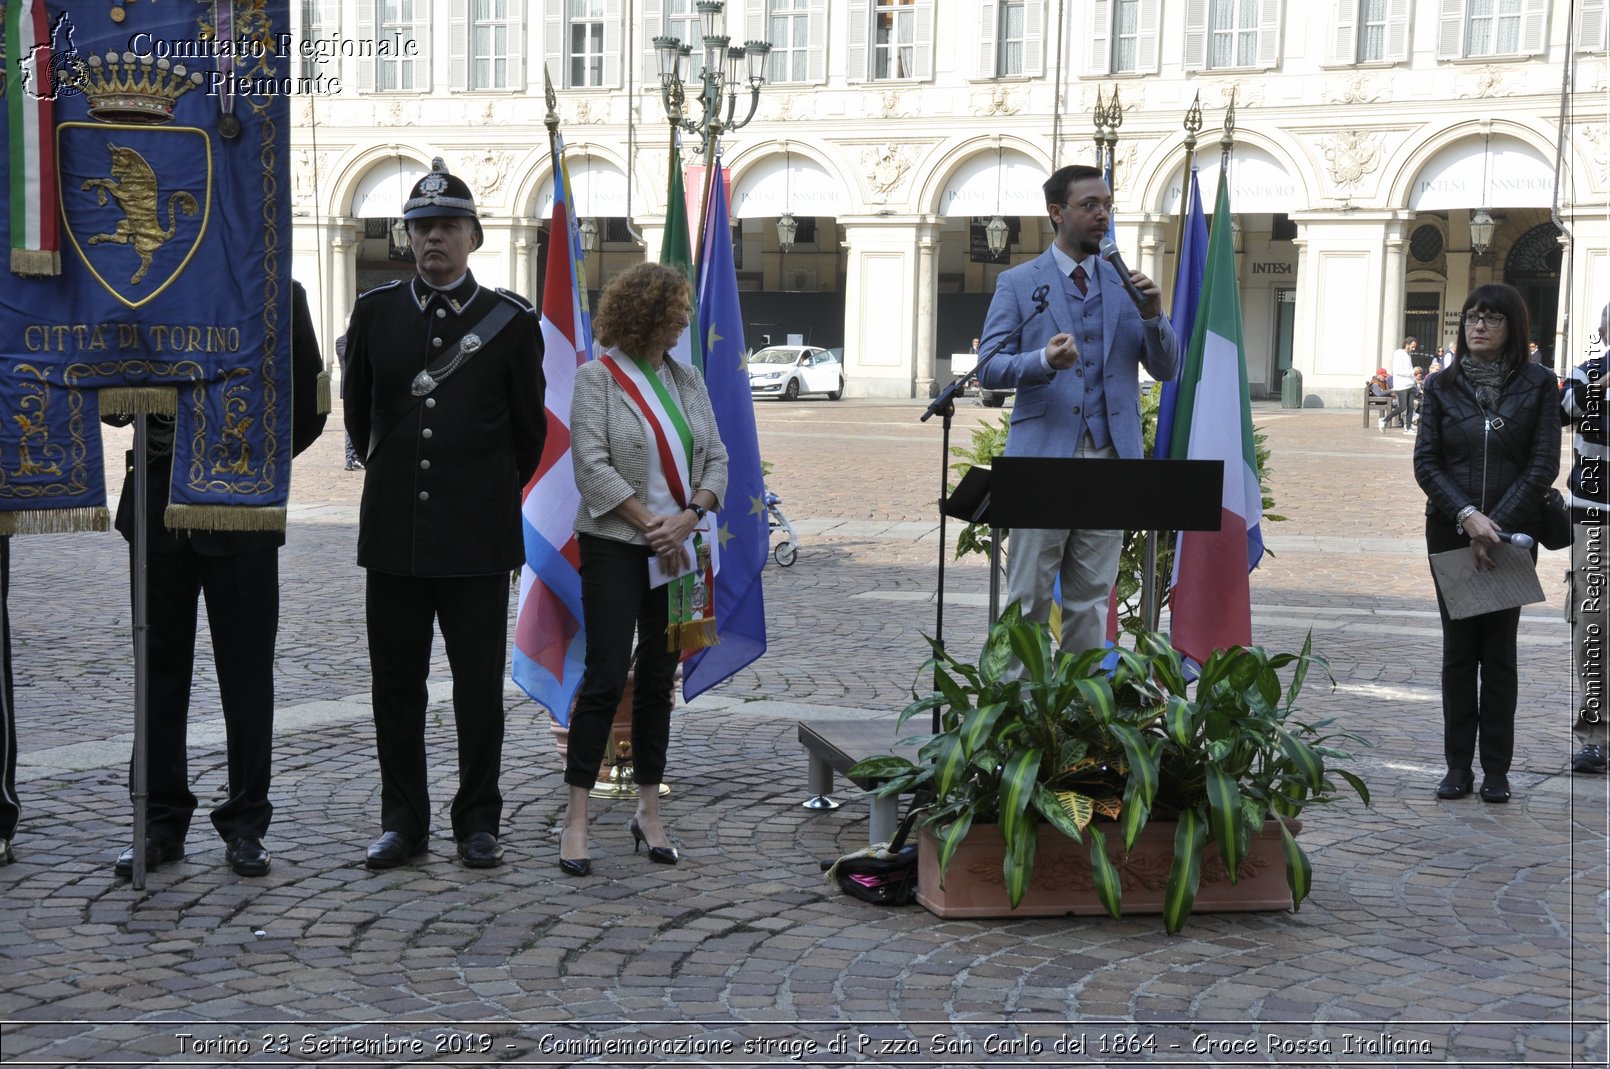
{"x":974,"y":886}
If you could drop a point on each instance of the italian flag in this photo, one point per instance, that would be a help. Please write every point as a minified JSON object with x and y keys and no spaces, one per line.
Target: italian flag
{"x":677,"y":251}
{"x":1212,"y":598}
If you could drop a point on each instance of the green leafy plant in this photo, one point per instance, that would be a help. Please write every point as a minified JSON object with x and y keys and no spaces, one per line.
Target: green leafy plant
{"x":1094,"y":751}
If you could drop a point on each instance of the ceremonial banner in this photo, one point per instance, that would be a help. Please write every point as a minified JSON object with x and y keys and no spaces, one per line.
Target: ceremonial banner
{"x":164,"y":142}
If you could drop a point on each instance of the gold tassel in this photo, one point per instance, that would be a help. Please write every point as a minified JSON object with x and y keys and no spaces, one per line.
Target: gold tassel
{"x":673,"y":632}
{"x":223,"y":518}
{"x":139,"y":400}
{"x":55,"y":521}
{"x":35,"y":263}
{"x":700,"y":634}
{"x":321,"y":404}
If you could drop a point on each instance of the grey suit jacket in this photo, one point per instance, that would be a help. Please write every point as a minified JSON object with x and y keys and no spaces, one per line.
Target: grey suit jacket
{"x":1046,"y":417}
{"x":609,"y":446}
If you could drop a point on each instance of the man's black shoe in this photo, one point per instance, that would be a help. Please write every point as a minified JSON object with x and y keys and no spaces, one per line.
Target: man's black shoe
{"x":158,"y":852}
{"x":1495,"y":788}
{"x":247,"y":857}
{"x":481,"y":851}
{"x":1589,"y":759}
{"x":392,"y":849}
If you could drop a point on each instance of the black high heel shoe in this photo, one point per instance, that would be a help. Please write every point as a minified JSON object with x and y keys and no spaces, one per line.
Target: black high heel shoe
{"x":576,"y":866}
{"x":660,"y":855}
{"x":1456,"y":784}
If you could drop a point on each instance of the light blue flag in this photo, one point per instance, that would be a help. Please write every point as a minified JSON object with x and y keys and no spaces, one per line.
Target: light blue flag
{"x":740,"y":601}
{"x":1187,"y":294}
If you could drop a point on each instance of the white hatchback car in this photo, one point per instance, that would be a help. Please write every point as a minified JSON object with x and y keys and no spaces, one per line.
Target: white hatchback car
{"x":787,"y":371}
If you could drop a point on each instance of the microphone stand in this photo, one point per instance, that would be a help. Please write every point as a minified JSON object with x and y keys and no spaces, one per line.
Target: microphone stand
{"x":945,"y":405}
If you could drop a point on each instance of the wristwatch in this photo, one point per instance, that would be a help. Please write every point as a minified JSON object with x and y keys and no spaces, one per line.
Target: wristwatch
{"x":697,"y":510}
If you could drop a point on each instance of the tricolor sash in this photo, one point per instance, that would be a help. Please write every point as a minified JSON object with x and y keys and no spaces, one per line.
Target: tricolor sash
{"x":691,"y":623}
{"x":30,"y":107}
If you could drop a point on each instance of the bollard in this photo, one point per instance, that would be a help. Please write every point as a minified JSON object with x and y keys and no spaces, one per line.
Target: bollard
{"x":1291,"y":389}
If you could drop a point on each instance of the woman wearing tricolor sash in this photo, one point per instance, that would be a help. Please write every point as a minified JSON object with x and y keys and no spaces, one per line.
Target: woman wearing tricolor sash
{"x":651,"y":470}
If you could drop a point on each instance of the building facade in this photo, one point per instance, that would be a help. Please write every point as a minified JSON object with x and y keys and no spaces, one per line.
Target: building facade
{"x":1368,"y":136}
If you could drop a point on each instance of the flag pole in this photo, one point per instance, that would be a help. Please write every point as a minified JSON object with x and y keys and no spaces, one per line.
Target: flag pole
{"x":1193,"y":126}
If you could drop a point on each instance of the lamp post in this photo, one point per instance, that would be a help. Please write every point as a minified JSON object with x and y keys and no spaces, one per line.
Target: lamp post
{"x":587,"y":234}
{"x":718,"y":78}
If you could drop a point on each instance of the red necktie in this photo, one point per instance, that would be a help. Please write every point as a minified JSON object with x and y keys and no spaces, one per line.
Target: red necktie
{"x":1081,"y":279}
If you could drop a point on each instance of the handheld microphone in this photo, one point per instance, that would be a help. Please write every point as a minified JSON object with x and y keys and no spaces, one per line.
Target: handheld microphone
{"x":1517,"y":539}
{"x":1041,"y":293}
{"x":1109,"y":252}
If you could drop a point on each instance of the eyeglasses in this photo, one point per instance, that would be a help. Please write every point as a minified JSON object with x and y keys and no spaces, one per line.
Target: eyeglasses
{"x":1492,"y":319}
{"x":1089,"y":207}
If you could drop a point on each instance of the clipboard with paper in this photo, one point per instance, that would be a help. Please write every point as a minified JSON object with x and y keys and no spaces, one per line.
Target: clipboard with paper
{"x":1469,"y":592}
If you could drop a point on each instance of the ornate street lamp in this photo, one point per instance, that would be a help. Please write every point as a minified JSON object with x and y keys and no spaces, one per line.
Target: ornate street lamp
{"x":587,"y":233}
{"x":1482,"y":224}
{"x":719,"y":77}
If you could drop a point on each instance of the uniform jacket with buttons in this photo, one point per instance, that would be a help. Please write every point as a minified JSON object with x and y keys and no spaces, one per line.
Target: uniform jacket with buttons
{"x":1046,"y":416}
{"x":609,"y":446}
{"x":442,"y":483}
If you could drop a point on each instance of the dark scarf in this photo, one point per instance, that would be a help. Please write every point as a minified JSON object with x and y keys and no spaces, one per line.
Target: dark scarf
{"x":1486,"y":378}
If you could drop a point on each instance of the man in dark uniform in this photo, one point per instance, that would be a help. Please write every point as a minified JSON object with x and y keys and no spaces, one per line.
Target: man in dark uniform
{"x":238,"y":572}
{"x":444,"y":397}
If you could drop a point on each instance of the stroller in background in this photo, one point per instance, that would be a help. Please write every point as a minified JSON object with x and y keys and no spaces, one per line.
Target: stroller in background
{"x":786,"y":551}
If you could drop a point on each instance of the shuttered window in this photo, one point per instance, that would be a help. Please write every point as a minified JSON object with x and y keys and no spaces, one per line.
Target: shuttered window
{"x":402,"y":64}
{"x":1225,"y":34}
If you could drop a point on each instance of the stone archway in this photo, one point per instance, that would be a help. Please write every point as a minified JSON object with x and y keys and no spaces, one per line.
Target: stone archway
{"x":1533,"y":267}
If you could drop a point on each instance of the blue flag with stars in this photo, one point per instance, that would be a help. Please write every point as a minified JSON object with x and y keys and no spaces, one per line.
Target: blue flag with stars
{"x":740,"y":601}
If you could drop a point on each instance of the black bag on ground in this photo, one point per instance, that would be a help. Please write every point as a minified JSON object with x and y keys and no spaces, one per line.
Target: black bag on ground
{"x":1556,"y":532}
{"x":882,"y":875}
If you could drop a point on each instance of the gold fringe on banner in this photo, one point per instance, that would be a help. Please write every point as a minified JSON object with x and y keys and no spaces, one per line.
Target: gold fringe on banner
{"x":139,"y":400}
{"x":698,"y":634}
{"x":35,"y":263}
{"x":322,"y":393}
{"x":224,"y":518}
{"x":55,"y":521}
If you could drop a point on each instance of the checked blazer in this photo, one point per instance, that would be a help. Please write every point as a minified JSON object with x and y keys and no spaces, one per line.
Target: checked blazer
{"x":609,"y":446}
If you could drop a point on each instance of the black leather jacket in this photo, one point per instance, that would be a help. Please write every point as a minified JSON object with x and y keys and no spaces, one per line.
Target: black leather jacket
{"x":1500,"y":461}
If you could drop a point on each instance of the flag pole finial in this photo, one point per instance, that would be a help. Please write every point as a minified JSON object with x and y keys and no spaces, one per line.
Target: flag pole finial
{"x":1227,"y":140}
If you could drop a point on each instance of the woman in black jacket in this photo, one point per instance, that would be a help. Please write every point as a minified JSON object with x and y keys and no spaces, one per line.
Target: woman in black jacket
{"x":1489,"y":447}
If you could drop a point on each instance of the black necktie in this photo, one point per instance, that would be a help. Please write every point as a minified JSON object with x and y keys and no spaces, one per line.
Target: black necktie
{"x":1080,"y":279}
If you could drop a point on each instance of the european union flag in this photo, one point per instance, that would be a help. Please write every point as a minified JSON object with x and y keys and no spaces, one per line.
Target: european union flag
{"x":740,"y":601}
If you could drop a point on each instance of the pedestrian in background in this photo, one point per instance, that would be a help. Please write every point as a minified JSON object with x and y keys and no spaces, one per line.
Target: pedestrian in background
{"x":1489,"y":446}
{"x":1402,"y":387}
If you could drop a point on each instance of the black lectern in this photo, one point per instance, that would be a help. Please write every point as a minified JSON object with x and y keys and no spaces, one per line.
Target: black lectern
{"x":1090,"y":495}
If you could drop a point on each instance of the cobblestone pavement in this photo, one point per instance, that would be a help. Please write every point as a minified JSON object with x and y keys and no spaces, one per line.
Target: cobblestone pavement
{"x":1436,"y":933}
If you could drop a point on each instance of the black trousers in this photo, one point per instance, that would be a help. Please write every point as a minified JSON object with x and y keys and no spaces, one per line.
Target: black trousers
{"x":8,"y":711}
{"x":242,"y":592}
{"x":1480,"y":678}
{"x":616,"y":602}
{"x":1402,"y":407}
{"x":472,"y":613}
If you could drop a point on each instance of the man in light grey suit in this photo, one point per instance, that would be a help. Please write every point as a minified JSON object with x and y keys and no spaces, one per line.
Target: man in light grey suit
{"x":1078,"y":391}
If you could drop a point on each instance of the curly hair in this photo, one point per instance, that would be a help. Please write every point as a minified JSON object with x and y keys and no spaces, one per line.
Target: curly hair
{"x":1506,"y":299}
{"x":636,"y":307}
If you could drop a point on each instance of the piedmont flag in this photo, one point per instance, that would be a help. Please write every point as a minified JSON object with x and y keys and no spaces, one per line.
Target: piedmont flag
{"x":549,"y":643}
{"x":677,"y":251}
{"x":1187,"y":295}
{"x":740,"y":601}
{"x":1212,"y":598}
